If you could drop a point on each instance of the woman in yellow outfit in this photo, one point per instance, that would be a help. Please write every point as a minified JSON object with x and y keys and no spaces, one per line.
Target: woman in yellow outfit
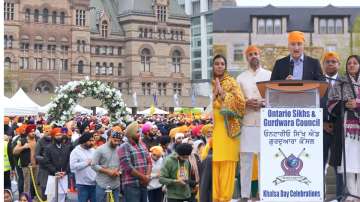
{"x":228,"y":109}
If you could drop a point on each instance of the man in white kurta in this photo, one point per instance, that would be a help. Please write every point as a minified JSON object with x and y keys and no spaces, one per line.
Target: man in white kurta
{"x":250,"y":132}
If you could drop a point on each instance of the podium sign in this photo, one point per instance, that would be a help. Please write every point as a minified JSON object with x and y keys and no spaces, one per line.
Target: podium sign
{"x":291,"y":154}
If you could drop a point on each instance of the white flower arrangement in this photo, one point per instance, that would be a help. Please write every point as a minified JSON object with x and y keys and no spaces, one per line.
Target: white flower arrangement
{"x":62,"y":106}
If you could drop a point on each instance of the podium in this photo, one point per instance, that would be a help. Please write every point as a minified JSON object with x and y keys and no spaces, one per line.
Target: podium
{"x":291,"y":143}
{"x":283,"y":93}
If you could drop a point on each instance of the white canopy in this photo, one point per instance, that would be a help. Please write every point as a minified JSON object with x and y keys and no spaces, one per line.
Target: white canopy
{"x":103,"y":111}
{"x":78,"y":108}
{"x":157,"y":111}
{"x":12,"y":109}
{"x":21,"y":99}
{"x":82,"y":110}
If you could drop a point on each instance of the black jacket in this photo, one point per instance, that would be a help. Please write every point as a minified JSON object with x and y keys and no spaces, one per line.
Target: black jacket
{"x":311,"y":70}
{"x":57,"y":159}
{"x":40,"y":151}
{"x":323,"y":104}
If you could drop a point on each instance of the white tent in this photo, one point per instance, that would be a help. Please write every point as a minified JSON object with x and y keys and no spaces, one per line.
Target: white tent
{"x":77,"y":108}
{"x":45,"y":108}
{"x":82,"y":110}
{"x":103,"y":111}
{"x":157,"y":111}
{"x":21,"y":99}
{"x":12,"y":109}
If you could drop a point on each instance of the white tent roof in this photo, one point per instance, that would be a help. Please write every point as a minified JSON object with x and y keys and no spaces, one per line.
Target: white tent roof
{"x":21,"y":99}
{"x":82,"y":110}
{"x":13,"y":109}
{"x":157,"y":111}
{"x":103,"y":111}
{"x":77,"y":108}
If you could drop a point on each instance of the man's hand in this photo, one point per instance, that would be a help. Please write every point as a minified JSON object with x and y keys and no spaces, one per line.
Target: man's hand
{"x":290,"y":77}
{"x":180,"y":181}
{"x":60,"y":174}
{"x":328,"y":127}
{"x":254,"y":104}
{"x":145,"y":180}
{"x":115,"y":172}
{"x":26,"y":146}
{"x":88,"y":162}
{"x":351,"y":104}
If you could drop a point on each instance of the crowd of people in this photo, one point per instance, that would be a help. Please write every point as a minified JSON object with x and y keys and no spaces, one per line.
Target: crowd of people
{"x":154,"y":158}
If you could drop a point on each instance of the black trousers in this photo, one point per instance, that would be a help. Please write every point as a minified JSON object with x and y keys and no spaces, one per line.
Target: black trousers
{"x":155,"y":195}
{"x":7,"y":180}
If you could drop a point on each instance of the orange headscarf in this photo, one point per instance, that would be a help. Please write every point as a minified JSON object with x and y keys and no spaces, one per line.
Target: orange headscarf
{"x":21,"y":130}
{"x":331,"y":54}
{"x":55,"y":131}
{"x":251,"y":49}
{"x":296,"y":36}
{"x":157,"y":150}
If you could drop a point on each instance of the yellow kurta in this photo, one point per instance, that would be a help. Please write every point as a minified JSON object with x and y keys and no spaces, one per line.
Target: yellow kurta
{"x":225,"y":148}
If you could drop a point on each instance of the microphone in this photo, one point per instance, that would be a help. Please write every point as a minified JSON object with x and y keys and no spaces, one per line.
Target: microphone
{"x":291,"y":68}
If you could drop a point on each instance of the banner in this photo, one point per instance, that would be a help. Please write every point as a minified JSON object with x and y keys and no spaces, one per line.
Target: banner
{"x":291,"y":154}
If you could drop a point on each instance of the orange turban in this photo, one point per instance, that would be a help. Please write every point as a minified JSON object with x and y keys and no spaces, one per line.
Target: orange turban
{"x":55,"y":131}
{"x":207,"y":128}
{"x":6,"y":120}
{"x":157,"y":150}
{"x":117,"y":129}
{"x":21,"y":130}
{"x":296,"y":36}
{"x":331,"y":54}
{"x":252,"y":49}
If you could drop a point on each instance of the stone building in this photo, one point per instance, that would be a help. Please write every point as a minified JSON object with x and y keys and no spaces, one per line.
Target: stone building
{"x":139,"y":47}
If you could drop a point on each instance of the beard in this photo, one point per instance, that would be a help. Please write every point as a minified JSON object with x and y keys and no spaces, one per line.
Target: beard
{"x":254,"y":62}
{"x":86,"y":146}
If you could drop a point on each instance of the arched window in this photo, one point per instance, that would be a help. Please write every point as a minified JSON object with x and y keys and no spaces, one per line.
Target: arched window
{"x":80,"y":67}
{"x":45,"y":15}
{"x":104,"y":28}
{"x":62,"y":18}
{"x":277,"y":26}
{"x":27,"y":15}
{"x":322,"y":26}
{"x":44,"y":87}
{"x":36,"y":15}
{"x":103,"y":68}
{"x":54,"y":16}
{"x":145,"y":59}
{"x":331,"y":26}
{"x":261,"y":26}
{"x":269,"y":26}
{"x":339,"y":26}
{"x":7,"y":63}
{"x":176,"y":60}
{"x":110,"y":69}
{"x":97,"y":68}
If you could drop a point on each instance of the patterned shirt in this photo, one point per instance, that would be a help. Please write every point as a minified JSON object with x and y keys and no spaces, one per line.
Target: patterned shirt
{"x":133,"y":156}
